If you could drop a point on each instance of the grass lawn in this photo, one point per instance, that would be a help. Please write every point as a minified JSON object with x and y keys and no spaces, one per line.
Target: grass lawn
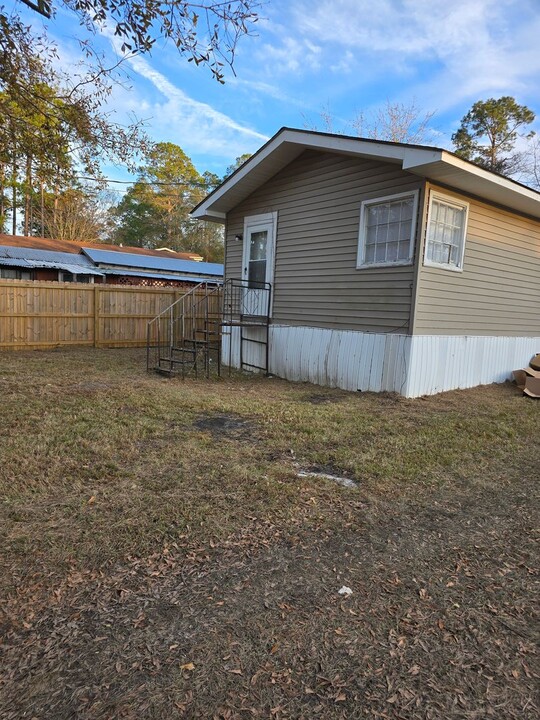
{"x":162,"y":554}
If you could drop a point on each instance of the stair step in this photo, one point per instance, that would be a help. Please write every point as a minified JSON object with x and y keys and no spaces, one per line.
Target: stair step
{"x":197,"y":325}
{"x":175,"y":361}
{"x":191,"y":351}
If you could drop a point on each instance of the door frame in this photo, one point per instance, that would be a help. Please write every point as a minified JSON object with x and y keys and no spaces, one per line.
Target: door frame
{"x":254,"y":223}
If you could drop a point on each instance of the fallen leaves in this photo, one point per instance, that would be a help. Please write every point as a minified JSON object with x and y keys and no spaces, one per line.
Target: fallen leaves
{"x":189,"y":666}
{"x":249,"y":624}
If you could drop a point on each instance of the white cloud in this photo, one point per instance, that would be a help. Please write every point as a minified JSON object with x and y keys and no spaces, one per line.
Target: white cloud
{"x":345,"y":64}
{"x":211,"y":138}
{"x":289,"y":54}
{"x":193,"y":112}
{"x":197,"y":127}
{"x":415,"y":27}
{"x":266,"y":89}
{"x":464,"y":48}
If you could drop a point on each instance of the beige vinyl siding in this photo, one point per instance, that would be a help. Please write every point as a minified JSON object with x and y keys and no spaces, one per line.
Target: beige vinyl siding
{"x":317,"y":198}
{"x":498,"y":291}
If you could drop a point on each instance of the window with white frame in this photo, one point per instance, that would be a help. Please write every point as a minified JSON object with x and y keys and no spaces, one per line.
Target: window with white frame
{"x":446,"y":231}
{"x":387,"y":228}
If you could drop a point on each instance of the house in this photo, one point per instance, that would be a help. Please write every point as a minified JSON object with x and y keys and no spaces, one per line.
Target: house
{"x":32,"y":258}
{"x":392,"y":267}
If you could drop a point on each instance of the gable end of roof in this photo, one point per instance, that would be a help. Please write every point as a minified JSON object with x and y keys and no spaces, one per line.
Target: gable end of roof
{"x":431,"y":163}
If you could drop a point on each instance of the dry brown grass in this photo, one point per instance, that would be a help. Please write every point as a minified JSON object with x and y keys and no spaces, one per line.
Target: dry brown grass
{"x":125,"y":495}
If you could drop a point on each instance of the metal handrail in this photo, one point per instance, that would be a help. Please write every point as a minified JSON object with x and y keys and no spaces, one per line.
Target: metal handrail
{"x":185,"y":335}
{"x":185,"y":295}
{"x":180,"y":319}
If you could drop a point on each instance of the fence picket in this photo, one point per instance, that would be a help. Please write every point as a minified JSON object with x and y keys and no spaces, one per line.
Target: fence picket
{"x":40,"y":314}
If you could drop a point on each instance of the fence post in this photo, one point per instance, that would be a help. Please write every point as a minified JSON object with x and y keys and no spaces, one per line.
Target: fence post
{"x":96,"y":315}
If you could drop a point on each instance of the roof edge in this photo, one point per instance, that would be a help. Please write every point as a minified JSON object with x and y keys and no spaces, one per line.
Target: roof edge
{"x":421,"y":160}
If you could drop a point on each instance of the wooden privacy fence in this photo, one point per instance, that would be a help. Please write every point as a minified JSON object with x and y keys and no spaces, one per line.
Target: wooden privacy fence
{"x":35,"y":314}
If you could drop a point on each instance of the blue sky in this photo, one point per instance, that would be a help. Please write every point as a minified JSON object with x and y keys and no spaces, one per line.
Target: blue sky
{"x":346,"y":56}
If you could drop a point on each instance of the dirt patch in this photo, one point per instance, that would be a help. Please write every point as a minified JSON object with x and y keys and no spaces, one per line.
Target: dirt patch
{"x":228,"y":426}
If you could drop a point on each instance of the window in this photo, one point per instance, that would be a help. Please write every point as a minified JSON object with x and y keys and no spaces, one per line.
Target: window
{"x":11,"y":274}
{"x":64,"y":276}
{"x":257,"y":258}
{"x":446,"y":230}
{"x":387,"y":227}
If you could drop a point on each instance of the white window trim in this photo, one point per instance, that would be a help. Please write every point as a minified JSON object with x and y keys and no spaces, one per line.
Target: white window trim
{"x":449,"y":200}
{"x":360,"y":264}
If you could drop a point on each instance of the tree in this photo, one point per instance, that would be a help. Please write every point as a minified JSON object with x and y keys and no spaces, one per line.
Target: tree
{"x":396,"y":122}
{"x":50,"y":127}
{"x":40,"y":108}
{"x":135,"y":220}
{"x":206,"y":32}
{"x":236,"y":164}
{"x":75,"y":214}
{"x":489,"y":131}
{"x":154,"y":212}
{"x":532,"y":166}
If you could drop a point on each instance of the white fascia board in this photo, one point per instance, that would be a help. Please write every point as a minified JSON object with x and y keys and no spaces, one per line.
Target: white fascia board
{"x":414,"y":158}
{"x":211,"y":216}
{"x":432,"y":163}
{"x":206,"y":209}
{"x":462,"y":175}
{"x":342,"y":144}
{"x":279,"y":152}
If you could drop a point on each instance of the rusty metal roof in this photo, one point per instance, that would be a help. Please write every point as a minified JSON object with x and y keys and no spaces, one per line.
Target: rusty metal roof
{"x":32,"y":259}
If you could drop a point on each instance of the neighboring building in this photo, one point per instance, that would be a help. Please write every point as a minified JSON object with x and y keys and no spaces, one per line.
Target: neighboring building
{"x":132,"y":269}
{"x":31,"y":258}
{"x":39,"y":243}
{"x":18,"y":263}
{"x":393,"y":267}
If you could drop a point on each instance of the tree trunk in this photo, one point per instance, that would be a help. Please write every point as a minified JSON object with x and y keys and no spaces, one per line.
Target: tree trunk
{"x":42,"y":217}
{"x":2,"y":197}
{"x":14,"y":199}
{"x":27,"y":195}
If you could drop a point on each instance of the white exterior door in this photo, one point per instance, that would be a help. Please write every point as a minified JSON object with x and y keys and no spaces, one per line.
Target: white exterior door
{"x":258,"y":262}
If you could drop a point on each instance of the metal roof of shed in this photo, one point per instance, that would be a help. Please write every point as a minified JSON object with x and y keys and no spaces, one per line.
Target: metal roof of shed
{"x":158,"y":276}
{"x":126,"y":260}
{"x":32,"y":259}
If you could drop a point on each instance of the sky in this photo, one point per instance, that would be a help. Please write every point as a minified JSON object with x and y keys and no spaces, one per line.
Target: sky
{"x":307,"y":57}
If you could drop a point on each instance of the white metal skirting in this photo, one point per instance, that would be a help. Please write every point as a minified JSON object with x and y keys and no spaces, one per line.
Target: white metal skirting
{"x":340,"y":358}
{"x":252,"y":353}
{"x":411,"y":366}
{"x":438,"y":362}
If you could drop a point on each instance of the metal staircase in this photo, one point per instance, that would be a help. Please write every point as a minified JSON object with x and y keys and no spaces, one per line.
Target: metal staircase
{"x":186,"y":338}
